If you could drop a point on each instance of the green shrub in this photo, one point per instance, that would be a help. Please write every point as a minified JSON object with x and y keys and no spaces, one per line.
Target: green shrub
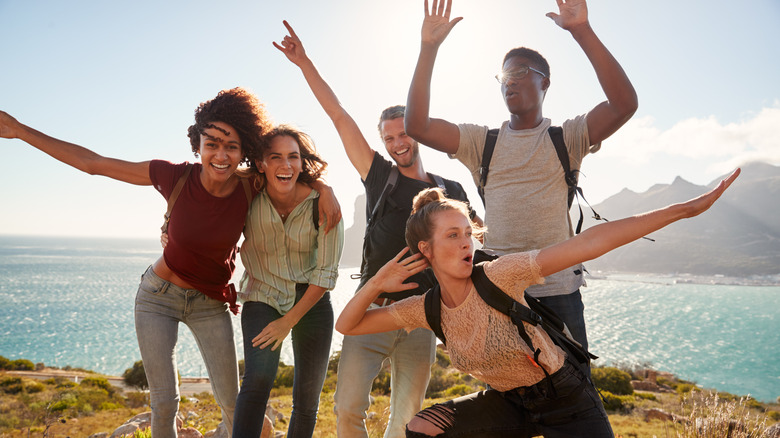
{"x":12,"y":385}
{"x":645,"y":396}
{"x":458,"y":390}
{"x":614,"y":402}
{"x":773,"y":415}
{"x":285,"y":375}
{"x":136,"y":376}
{"x":4,"y":363}
{"x":612,"y":380}
{"x":22,"y":365}
{"x":99,"y":382}
{"x":684,"y":388}
{"x":381,"y":383}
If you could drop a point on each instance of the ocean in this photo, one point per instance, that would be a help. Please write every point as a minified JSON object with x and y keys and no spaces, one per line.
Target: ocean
{"x":69,"y":301}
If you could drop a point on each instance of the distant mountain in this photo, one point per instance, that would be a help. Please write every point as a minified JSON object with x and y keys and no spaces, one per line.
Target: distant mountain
{"x":353,"y":236}
{"x":738,"y":236}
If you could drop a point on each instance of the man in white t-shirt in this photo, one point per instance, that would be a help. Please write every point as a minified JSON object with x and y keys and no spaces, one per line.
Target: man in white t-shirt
{"x":526,"y":196}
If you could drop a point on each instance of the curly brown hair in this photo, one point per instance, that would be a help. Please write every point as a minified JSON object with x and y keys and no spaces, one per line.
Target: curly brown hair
{"x":238,"y":108}
{"x":313,"y":164}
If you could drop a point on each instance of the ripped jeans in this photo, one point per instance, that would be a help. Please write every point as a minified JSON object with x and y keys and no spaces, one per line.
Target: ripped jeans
{"x":574,"y":411}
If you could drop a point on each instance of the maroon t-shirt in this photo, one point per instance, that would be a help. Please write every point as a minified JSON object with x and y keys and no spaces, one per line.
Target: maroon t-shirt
{"x":203,"y":230}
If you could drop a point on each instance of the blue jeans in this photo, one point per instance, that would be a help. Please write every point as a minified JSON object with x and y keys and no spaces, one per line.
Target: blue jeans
{"x":159,"y":308}
{"x":573,"y":410}
{"x":311,"y":338}
{"x":411,"y":356}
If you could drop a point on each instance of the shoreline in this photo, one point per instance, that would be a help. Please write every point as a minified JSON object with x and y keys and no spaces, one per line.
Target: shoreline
{"x":189,"y":385}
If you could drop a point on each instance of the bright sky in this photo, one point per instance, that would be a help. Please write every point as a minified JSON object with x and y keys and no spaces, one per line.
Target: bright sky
{"x":123,"y":78}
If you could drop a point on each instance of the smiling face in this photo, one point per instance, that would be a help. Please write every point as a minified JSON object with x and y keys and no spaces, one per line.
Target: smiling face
{"x":402,"y":148}
{"x":526,"y":95}
{"x":281,"y":164}
{"x":220,"y":151}
{"x":450,"y":250}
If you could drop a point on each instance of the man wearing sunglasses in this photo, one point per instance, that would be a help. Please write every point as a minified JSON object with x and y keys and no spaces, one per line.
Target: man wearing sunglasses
{"x":526,"y":196}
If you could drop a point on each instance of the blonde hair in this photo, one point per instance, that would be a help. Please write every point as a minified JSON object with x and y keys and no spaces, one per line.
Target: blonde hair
{"x":427,"y":203}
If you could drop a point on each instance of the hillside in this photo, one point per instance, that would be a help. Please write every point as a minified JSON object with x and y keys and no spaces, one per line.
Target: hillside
{"x":739,"y":236}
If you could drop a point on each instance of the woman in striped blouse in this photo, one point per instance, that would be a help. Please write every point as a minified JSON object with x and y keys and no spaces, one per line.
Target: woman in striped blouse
{"x":290,"y":265}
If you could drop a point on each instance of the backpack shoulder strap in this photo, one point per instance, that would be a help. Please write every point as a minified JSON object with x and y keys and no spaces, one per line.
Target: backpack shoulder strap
{"x":487,"y":155}
{"x":438,"y":180}
{"x":390,"y":185}
{"x":433,"y":312}
{"x":247,"y":190}
{"x":315,"y":212}
{"x":175,"y":195}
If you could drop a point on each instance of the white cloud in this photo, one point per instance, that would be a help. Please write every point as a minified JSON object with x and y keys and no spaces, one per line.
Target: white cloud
{"x":755,"y":138}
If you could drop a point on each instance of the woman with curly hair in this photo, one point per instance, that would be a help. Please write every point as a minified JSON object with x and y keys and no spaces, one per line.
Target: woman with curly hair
{"x":189,"y":283}
{"x":533,"y":391}
{"x":290,"y":266}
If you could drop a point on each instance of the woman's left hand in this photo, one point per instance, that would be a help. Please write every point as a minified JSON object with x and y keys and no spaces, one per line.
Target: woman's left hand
{"x":273,"y":334}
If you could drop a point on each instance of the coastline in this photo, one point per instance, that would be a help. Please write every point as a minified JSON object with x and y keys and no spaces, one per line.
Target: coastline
{"x":189,"y":385}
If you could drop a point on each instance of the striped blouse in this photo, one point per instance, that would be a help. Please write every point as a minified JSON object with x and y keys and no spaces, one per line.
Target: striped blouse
{"x":277,"y":255}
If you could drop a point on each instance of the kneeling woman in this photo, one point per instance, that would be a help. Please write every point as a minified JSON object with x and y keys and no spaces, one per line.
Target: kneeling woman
{"x":484,"y":342}
{"x":290,"y":263}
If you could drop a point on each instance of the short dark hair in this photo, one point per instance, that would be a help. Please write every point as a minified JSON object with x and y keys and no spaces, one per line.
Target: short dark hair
{"x":240,"y":109}
{"x":391,"y":113}
{"x":536,"y":58}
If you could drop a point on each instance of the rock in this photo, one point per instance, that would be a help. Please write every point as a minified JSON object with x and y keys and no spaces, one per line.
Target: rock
{"x":99,"y":435}
{"x":220,"y":432}
{"x":268,"y":428}
{"x":189,"y":432}
{"x":773,"y":431}
{"x":658,"y":414}
{"x":137,"y":423}
{"x":645,"y":385}
{"x":144,"y":421}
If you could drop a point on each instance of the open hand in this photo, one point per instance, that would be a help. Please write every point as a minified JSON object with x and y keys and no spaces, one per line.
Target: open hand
{"x":390,"y":278}
{"x":697,"y":206}
{"x":291,"y":46}
{"x":273,"y":334}
{"x":572,"y":14}
{"x":437,"y":25}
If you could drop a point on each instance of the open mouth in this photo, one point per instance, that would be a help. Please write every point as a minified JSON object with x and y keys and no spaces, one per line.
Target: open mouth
{"x":402,"y":151}
{"x":220,"y":166}
{"x":284,"y":177}
{"x":468,"y":258}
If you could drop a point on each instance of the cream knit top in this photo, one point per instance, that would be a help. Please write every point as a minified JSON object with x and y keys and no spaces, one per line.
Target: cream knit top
{"x":481,"y":340}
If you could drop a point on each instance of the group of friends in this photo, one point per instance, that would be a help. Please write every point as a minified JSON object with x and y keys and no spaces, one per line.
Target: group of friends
{"x":265,"y":181}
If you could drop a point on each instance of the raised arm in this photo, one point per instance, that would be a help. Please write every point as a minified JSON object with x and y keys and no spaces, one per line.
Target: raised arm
{"x":74,"y":155}
{"x":603,"y":238}
{"x":359,"y":152}
{"x":436,"y":133}
{"x":608,"y":116}
{"x":355,"y":319}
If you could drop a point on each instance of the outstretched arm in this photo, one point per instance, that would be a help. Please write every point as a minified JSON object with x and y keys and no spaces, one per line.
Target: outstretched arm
{"x":608,"y":116}
{"x":603,"y":238}
{"x":74,"y":155}
{"x":436,"y":133}
{"x":355,"y":319}
{"x":359,"y":152}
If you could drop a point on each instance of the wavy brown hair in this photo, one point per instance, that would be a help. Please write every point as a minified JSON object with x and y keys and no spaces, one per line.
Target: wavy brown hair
{"x":240,"y":109}
{"x":313,"y":166}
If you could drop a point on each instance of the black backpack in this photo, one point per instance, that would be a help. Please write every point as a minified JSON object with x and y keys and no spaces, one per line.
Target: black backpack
{"x":377,"y":212}
{"x":536,"y":314}
{"x":571,"y":176}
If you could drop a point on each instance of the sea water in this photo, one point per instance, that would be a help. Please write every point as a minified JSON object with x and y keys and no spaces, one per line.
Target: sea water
{"x":69,"y":301}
